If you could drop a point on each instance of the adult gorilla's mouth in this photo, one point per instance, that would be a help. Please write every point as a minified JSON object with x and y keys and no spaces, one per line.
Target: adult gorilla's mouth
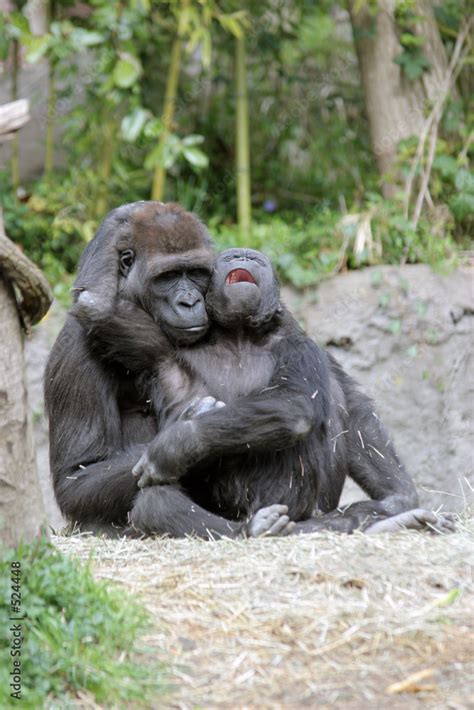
{"x":194,"y":328}
{"x":238,"y":276}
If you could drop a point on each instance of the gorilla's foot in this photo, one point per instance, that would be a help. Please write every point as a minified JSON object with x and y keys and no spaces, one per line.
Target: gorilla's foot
{"x":270,"y":522}
{"x":417,"y":519}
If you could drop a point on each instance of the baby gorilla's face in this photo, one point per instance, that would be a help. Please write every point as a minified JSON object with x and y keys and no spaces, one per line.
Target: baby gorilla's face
{"x":244,"y":289}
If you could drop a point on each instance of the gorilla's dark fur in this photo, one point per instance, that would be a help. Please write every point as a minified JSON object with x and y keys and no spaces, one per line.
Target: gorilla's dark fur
{"x":135,"y":359}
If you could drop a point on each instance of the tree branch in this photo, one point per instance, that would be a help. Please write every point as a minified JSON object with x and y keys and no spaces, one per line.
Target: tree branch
{"x":36,"y":294}
{"x":431,"y":125}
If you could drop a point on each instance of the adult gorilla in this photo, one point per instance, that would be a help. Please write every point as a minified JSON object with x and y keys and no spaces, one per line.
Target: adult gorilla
{"x":100,"y":416}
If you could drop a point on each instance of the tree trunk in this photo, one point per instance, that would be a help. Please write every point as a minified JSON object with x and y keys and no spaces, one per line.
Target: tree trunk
{"x":21,"y":504}
{"x":394,"y":104}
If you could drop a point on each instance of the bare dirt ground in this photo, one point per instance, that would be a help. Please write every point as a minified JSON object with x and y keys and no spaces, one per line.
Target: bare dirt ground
{"x":319,"y":621}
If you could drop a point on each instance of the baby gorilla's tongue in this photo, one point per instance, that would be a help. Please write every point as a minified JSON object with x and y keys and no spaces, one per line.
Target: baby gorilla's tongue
{"x":238,"y":276}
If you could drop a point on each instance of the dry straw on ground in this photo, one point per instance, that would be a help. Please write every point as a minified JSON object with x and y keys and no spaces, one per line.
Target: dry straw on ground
{"x":320,"y":621}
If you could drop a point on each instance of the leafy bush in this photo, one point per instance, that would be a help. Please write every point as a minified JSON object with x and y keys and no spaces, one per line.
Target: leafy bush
{"x":79,"y":635}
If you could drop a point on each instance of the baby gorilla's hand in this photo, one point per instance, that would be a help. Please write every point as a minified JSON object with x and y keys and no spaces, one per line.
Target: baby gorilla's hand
{"x":201,"y":405}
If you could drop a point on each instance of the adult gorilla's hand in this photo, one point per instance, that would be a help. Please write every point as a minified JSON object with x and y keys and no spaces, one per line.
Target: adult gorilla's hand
{"x":162,"y":461}
{"x":147,"y":473}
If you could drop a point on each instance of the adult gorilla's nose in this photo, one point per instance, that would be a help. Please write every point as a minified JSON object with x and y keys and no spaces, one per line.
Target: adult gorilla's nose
{"x":188,"y":300}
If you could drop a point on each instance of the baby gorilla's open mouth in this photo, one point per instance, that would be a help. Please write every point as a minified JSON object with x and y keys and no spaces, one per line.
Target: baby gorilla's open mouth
{"x":238,"y":276}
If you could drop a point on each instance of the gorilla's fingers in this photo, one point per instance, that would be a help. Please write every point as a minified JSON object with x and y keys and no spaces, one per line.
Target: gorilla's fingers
{"x":205,"y":405}
{"x":144,"y":472}
{"x":201,"y":405}
{"x":278,"y":526}
{"x":288,"y":530}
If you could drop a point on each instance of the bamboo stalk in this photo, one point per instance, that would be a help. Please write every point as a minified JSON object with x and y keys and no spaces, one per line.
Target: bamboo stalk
{"x":105,"y":168}
{"x":15,"y":159}
{"x":51,"y":104}
{"x":242,"y":142}
{"x":51,"y":109}
{"x":159,"y":177}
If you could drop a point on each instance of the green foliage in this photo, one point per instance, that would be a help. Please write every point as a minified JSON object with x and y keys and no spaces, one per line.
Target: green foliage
{"x":310,"y":153}
{"x":52,"y":225}
{"x":411,"y":59}
{"x":79,"y":635}
{"x":427,"y":243}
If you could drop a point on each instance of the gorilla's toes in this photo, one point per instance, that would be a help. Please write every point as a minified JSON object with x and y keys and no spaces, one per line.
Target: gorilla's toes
{"x":270,"y":521}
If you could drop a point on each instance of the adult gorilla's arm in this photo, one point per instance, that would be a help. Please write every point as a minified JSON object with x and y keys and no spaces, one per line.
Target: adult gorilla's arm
{"x":120,"y":331}
{"x":295,"y":403}
{"x":91,"y":473}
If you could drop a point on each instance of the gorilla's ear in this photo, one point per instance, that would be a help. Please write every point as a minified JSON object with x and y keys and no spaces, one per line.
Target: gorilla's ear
{"x":126,"y":259}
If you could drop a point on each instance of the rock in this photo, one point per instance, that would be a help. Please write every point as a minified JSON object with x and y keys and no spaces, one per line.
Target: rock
{"x":405,"y":334}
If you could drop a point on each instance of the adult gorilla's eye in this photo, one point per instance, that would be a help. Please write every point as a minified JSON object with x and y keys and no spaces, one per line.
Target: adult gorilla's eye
{"x":199,"y":274}
{"x":126,"y":259}
{"x":200,"y":277}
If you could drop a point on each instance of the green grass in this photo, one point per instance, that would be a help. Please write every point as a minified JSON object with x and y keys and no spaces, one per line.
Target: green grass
{"x":79,"y":635}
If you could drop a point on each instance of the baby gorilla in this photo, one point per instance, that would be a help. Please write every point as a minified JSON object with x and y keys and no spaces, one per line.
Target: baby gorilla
{"x":251,"y":416}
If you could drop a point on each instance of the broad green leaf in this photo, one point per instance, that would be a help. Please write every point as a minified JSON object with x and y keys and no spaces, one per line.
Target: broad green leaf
{"x":230,"y":24}
{"x":18,"y":25}
{"x":153,"y":159}
{"x":462,"y":205}
{"x":127,"y":71}
{"x":465,"y":181}
{"x":164,"y":154}
{"x":196,"y":157}
{"x":446,"y":164}
{"x":153,"y":128}
{"x":133,"y":124}
{"x":86,"y":38}
{"x":37,"y":47}
{"x":193,"y":139}
{"x":171,"y":150}
{"x":409,"y":40}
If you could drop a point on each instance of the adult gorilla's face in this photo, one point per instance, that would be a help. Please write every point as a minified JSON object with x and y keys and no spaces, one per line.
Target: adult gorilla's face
{"x":174,"y":297}
{"x":158,"y":256}
{"x":171,"y":271}
{"x":244,"y":289}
